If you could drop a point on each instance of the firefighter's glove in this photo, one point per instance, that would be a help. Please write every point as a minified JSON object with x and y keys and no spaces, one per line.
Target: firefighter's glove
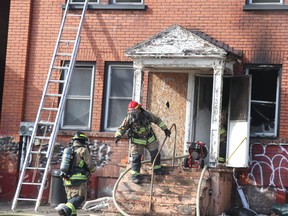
{"x":117,"y":138}
{"x":167,"y":132}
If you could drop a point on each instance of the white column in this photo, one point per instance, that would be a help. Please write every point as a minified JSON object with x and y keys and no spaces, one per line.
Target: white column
{"x":189,"y":111}
{"x":137,"y":82}
{"x":216,"y":112}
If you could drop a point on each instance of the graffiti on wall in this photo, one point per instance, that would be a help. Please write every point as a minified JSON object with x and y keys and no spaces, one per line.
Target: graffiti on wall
{"x":12,"y":156}
{"x":100,"y":154}
{"x":9,"y":150}
{"x":269,"y":165}
{"x":8,"y":155}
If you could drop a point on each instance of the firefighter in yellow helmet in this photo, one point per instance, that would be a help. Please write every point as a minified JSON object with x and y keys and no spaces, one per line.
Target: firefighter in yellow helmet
{"x":76,"y":184}
{"x":138,"y":122}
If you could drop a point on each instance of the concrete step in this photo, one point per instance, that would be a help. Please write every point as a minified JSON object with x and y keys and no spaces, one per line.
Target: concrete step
{"x":140,"y":207}
{"x":173,"y":193}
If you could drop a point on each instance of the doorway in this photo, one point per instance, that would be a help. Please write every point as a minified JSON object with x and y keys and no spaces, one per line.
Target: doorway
{"x":236,"y":96}
{"x":203,"y":104}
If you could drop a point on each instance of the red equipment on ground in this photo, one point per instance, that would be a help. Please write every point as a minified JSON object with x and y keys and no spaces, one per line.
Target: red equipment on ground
{"x":197,"y":151}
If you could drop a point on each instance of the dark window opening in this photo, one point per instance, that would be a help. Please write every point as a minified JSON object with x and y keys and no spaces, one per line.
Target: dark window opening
{"x":264,"y":101}
{"x":265,"y":1}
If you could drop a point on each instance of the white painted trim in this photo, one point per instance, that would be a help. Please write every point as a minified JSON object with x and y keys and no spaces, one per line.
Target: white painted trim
{"x":277,"y":102}
{"x":137,"y":82}
{"x":189,"y":111}
{"x":183,"y":63}
{"x":216,"y":112}
{"x":265,"y":3}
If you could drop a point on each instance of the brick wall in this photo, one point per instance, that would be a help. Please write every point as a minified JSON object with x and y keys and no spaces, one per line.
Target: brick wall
{"x":108,"y":33}
{"x":16,"y":67}
{"x":4,"y":18}
{"x":34,"y":25}
{"x":266,"y":176}
{"x":268,"y":165}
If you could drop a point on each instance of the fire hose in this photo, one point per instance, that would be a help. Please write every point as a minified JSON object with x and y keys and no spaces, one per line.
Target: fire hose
{"x":152,"y":176}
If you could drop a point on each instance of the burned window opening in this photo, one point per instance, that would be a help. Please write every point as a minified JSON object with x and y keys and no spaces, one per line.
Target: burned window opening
{"x":264,"y":101}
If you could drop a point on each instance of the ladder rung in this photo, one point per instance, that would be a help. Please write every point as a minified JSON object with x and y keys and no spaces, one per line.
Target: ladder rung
{"x":37,"y":152}
{"x":35,"y":168}
{"x":53,"y":95}
{"x":57,"y":81}
{"x":74,"y":27}
{"x":46,"y":123}
{"x":31,"y":183}
{"x":50,"y":109}
{"x":42,"y":137}
{"x":60,"y":68}
{"x":64,"y":54}
{"x":27,"y":199}
{"x":77,"y":3}
{"x":67,"y":41}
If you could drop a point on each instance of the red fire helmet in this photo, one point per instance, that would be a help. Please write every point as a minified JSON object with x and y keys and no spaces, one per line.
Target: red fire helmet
{"x":133,"y":105}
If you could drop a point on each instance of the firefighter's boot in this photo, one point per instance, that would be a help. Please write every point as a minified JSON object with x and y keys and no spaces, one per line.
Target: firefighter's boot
{"x":157,"y":167}
{"x":136,"y":165}
{"x":136,"y":179}
{"x":159,"y":171}
{"x":64,"y":211}
{"x":74,"y":203}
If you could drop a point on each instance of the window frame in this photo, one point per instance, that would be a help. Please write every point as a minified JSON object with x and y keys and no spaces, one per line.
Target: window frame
{"x":277,"y":99}
{"x":80,"y":65}
{"x":110,"y":6}
{"x":130,"y":3}
{"x":107,"y":86}
{"x":270,"y":6}
{"x":77,"y":2}
{"x":281,"y":2}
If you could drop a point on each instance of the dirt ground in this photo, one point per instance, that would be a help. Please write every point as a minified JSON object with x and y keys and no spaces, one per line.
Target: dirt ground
{"x":26,"y":209}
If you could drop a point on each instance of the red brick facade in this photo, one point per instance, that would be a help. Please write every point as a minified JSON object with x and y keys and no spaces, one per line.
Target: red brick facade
{"x":107,"y":34}
{"x":33,"y":30}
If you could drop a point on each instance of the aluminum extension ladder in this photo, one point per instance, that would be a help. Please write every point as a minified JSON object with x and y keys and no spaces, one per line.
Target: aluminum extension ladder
{"x":51,"y":106}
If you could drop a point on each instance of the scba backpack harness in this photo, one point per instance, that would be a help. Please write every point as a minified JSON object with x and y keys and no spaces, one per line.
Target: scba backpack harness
{"x":67,"y":166}
{"x":67,"y":162}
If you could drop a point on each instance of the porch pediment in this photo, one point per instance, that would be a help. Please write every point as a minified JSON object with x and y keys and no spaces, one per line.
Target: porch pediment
{"x":176,"y":41}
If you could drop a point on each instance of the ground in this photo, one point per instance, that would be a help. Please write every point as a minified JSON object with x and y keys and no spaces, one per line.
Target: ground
{"x":26,"y":209}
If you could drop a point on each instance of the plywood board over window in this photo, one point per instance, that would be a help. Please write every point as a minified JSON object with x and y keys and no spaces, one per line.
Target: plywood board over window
{"x":167,"y":99}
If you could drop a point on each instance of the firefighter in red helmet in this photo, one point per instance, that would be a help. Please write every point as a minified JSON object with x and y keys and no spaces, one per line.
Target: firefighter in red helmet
{"x":138,"y":122}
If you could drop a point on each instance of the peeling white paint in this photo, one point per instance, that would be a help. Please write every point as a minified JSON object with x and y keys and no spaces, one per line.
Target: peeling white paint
{"x":216,"y":111}
{"x":138,"y":82}
{"x":177,"y":49}
{"x":176,"y":41}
